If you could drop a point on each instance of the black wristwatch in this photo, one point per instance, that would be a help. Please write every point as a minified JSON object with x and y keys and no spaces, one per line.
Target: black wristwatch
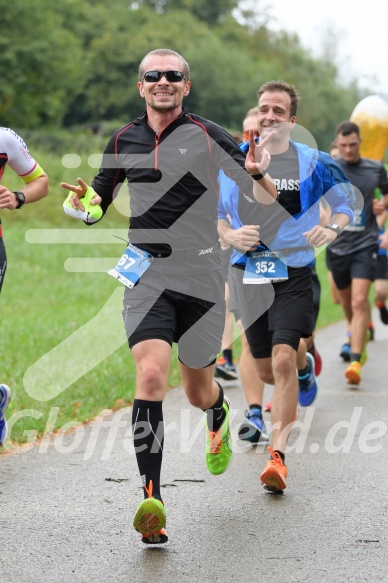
{"x":258,"y":176}
{"x":334,"y":227}
{"x":21,"y":198}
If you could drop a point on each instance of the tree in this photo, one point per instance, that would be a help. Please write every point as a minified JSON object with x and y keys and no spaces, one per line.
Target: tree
{"x":76,"y":61}
{"x":203,"y":10}
{"x":41,"y":62}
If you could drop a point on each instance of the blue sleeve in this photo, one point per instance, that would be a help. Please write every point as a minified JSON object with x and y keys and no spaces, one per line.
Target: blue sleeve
{"x":222,"y":212}
{"x":228,"y":195}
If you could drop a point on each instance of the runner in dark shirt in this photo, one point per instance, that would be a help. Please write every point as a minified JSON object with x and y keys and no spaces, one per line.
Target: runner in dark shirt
{"x":171,"y":159}
{"x":352,"y":257}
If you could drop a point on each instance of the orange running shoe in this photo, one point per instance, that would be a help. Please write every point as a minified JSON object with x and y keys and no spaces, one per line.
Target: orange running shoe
{"x":150,"y":519}
{"x":275,"y":473}
{"x":353,"y":373}
{"x":383,"y":312}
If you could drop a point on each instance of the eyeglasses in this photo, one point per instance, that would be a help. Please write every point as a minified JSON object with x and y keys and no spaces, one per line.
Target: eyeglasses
{"x":171,"y":76}
{"x":245,"y":135}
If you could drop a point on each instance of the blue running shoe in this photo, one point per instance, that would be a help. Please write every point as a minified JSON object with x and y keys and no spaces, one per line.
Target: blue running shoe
{"x":226,"y":370}
{"x":253,"y":428}
{"x":308,"y":387}
{"x":345,"y":352}
{"x":5,"y":397}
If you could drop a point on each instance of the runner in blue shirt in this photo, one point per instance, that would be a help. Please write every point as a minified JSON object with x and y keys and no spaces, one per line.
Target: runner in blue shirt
{"x":277,"y":311}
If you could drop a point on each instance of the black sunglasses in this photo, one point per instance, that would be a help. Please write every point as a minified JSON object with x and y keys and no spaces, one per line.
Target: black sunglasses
{"x":171,"y":76}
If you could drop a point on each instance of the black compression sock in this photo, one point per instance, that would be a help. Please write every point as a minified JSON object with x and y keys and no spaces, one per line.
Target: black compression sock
{"x":216,"y":414}
{"x":148,"y":437}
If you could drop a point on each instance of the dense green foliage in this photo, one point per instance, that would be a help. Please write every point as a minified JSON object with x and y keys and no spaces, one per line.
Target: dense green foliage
{"x":75,"y":62}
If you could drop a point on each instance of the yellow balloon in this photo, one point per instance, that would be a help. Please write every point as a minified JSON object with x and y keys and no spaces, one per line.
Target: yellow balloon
{"x":371,"y":115}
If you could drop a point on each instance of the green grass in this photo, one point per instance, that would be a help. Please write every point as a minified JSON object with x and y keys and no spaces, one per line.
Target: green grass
{"x":42,"y":305}
{"x":329,"y":312}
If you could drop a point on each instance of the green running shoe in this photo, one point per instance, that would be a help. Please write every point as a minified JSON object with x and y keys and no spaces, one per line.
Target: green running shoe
{"x":364,"y":354}
{"x":219,"y":445}
{"x":150,"y":519}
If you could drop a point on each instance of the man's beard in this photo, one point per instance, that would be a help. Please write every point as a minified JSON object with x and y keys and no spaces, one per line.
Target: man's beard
{"x":163,"y":108}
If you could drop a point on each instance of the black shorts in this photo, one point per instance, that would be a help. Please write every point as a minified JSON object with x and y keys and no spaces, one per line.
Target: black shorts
{"x":188,"y":309}
{"x":285,"y":305}
{"x":3,"y":261}
{"x":316,"y":294}
{"x":233,"y":283}
{"x":327,"y":257}
{"x":381,"y":267}
{"x":360,"y":264}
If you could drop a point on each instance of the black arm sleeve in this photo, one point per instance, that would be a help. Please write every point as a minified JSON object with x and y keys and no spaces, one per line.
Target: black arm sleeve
{"x":110,"y":176}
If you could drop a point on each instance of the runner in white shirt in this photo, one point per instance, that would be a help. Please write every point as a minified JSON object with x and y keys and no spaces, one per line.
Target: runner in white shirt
{"x":13,"y":151}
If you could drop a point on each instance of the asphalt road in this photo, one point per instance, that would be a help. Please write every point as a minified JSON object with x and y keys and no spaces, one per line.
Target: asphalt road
{"x":66,"y":504}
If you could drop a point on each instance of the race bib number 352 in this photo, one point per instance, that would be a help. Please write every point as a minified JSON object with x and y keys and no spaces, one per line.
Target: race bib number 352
{"x":131,"y":266}
{"x":264,"y":267}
